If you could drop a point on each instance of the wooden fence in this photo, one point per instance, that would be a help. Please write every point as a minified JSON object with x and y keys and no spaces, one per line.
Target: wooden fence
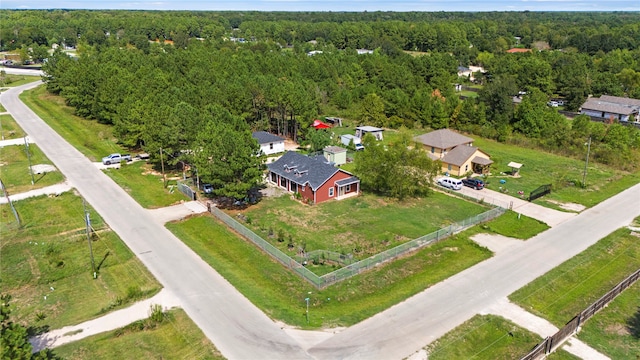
{"x":552,"y":342}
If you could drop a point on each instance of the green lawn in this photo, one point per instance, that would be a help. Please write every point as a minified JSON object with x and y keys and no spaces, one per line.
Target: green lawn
{"x":544,"y":168}
{"x":14,"y":169}
{"x":361,"y":226}
{"x":145,"y":185}
{"x":10,"y":129}
{"x":46,"y":264}
{"x":568,"y":289}
{"x":13,"y":80}
{"x":280,"y":293}
{"x":615,"y":330}
{"x":176,"y":337}
{"x":92,"y":139}
{"x":486,"y":337}
{"x":512,"y":224}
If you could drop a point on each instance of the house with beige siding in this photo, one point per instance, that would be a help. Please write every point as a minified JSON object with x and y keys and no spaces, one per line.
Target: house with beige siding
{"x":455,"y":151}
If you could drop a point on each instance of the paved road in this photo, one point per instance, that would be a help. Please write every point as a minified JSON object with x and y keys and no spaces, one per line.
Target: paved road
{"x":425,"y":317}
{"x":241,"y":331}
{"x":237,"y":328}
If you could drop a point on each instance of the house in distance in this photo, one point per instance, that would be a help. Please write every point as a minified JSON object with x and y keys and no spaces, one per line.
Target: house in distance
{"x":455,"y":151}
{"x":269,"y":143}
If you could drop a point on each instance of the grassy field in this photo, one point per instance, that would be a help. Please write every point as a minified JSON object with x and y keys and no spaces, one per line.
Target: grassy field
{"x":361,"y":226}
{"x":512,"y":225}
{"x":145,"y":185}
{"x":14,"y":169}
{"x":13,"y":80}
{"x":46,"y":265}
{"x":92,"y":139}
{"x":175,"y":337}
{"x":543,"y":168}
{"x":568,"y":289}
{"x":615,"y":330}
{"x":540,"y":168}
{"x":486,"y":337}
{"x":280,"y":293}
{"x":10,"y":129}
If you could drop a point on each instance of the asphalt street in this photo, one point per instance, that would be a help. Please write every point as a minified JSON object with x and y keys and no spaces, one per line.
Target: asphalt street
{"x":240,"y":331}
{"x":237,"y":328}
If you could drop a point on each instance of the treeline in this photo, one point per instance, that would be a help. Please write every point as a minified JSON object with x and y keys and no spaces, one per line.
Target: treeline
{"x":198,"y":101}
{"x":460,"y":33}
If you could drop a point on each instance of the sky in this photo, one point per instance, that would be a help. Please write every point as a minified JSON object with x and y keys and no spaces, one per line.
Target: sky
{"x":332,"y":5}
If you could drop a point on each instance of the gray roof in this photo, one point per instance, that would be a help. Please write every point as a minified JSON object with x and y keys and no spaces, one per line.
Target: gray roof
{"x":612,"y":104}
{"x":620,"y":100}
{"x":348,"y":181}
{"x":264,"y":137}
{"x":596,"y":105}
{"x":443,"y":139}
{"x":481,"y":160}
{"x":302,"y":169}
{"x":335,"y":149}
{"x":459,"y":155}
{"x":368,"y":128}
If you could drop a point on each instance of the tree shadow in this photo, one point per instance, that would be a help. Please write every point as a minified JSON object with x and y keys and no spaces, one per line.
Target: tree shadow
{"x":633,"y":324}
{"x":37,"y":330}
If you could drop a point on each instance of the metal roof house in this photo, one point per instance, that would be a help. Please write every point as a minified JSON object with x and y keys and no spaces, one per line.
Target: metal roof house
{"x":455,"y":151}
{"x":612,"y":108}
{"x":316,"y":181}
{"x":269,"y":143}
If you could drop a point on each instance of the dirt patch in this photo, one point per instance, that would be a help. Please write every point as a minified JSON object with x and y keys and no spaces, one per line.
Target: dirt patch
{"x":290,"y":145}
{"x":617,"y":329}
{"x":568,"y":206}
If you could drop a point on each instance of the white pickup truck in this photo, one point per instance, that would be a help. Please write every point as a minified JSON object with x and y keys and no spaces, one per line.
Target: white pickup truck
{"x":116,"y":159}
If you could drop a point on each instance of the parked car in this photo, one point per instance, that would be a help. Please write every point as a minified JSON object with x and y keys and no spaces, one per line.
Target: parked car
{"x":116,"y":159}
{"x":450,"y":183}
{"x":473,"y":183}
{"x":207,"y":188}
{"x":359,"y":147}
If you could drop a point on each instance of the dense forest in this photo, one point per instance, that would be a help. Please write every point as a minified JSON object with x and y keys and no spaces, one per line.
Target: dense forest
{"x":204,"y":80}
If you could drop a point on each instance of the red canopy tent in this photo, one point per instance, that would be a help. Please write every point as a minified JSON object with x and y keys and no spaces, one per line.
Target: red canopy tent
{"x":317,"y":124}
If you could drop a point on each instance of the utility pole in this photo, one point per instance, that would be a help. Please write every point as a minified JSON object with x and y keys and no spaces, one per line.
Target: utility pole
{"x":586,"y":163}
{"x":164,"y":178}
{"x":13,"y":209}
{"x":88,"y":224}
{"x":26,"y":146}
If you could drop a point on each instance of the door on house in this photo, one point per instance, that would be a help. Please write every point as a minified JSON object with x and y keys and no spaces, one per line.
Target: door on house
{"x":294,"y":187}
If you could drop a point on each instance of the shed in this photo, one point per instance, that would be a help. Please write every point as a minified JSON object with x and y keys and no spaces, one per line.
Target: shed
{"x":361,"y":131}
{"x":335,"y":154}
{"x":515,"y":168}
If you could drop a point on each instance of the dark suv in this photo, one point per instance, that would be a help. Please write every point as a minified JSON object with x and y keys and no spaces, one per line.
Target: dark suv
{"x":473,"y":183}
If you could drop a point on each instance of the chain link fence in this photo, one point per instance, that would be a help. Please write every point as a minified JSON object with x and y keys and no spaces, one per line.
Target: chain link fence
{"x":355,"y":267}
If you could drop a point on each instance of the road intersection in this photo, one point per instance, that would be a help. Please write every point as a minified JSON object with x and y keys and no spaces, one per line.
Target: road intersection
{"x":241,"y":331}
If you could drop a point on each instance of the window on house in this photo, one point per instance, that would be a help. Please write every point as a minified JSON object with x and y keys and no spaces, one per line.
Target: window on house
{"x":347,"y":188}
{"x":330,"y":192}
{"x":466,"y":168}
{"x":271,"y":146}
{"x":449,"y":167}
{"x":433,"y":150}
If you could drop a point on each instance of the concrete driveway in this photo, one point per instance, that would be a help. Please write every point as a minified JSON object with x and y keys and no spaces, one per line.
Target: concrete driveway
{"x":549,"y":216}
